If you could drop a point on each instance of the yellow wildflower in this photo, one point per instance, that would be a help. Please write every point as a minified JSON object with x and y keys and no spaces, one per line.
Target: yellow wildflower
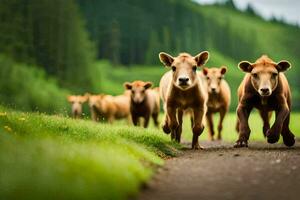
{"x":2,"y":114}
{"x":7,"y":128}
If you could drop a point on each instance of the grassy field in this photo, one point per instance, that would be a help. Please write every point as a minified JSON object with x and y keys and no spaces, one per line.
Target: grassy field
{"x":53,"y":157}
{"x":229,"y":132}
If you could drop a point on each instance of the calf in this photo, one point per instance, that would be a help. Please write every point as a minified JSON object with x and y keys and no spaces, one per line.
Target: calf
{"x":182,"y":90}
{"x":76,"y":103}
{"x":107,"y":107}
{"x":218,"y":97}
{"x":266,"y":88}
{"x":144,"y":102}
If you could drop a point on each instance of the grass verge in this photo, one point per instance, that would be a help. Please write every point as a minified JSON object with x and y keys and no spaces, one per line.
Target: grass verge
{"x":52,"y":157}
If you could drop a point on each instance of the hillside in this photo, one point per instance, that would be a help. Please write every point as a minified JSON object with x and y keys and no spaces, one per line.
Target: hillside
{"x":130,"y":33}
{"x":63,"y":38}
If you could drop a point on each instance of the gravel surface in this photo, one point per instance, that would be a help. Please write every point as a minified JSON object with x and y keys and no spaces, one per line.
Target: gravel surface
{"x":262,"y":171}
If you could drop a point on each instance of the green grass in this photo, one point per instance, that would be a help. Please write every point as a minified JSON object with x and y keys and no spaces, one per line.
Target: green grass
{"x":52,"y":157}
{"x":229,"y":133}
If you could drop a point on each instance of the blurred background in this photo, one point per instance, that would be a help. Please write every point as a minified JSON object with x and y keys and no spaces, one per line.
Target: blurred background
{"x":52,"y":48}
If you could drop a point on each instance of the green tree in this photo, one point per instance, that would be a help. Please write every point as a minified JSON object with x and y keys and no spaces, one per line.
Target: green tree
{"x":114,"y":43}
{"x":50,"y":34}
{"x":153,"y":48}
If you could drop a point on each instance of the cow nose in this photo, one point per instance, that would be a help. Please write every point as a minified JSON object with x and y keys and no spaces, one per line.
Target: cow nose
{"x":183,"y":80}
{"x":265,"y":91}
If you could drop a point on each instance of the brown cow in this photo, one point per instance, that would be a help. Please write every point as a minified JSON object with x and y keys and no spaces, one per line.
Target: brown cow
{"x":266,"y":88}
{"x":144,"y":102}
{"x":182,"y":90}
{"x":107,"y":107}
{"x":218,"y":97}
{"x":76,"y":103}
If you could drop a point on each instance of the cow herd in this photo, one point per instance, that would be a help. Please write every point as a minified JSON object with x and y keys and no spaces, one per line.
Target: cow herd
{"x":198,"y":94}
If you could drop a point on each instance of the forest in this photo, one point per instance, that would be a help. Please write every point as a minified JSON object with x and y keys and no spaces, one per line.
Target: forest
{"x":57,"y":45}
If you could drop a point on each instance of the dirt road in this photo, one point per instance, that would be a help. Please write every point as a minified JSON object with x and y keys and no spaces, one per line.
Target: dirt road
{"x":261,"y":171}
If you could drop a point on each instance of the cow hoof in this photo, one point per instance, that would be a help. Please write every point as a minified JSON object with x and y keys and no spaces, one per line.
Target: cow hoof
{"x":240,"y":143}
{"x":166,"y":129}
{"x":289,"y":140}
{"x":197,"y":147}
{"x":272,"y":139}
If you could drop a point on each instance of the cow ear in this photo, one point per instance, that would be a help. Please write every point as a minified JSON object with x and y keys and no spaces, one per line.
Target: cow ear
{"x":148,"y":85}
{"x":166,"y":59}
{"x":127,"y":86}
{"x":283,"y":66}
{"x":245,"y":66}
{"x":84,"y":98}
{"x":223,"y":70}
{"x":205,"y":71}
{"x":202,"y":58}
{"x":70,"y":98}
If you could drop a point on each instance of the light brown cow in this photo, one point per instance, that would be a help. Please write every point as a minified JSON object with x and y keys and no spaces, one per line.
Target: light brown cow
{"x":76,"y":104}
{"x":144,"y":102}
{"x":218,"y":97}
{"x":266,"y":88}
{"x":107,"y":107}
{"x":182,"y":90}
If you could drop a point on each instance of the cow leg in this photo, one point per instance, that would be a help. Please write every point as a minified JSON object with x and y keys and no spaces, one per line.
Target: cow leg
{"x":192,"y":121}
{"x":274,"y":132}
{"x":94,"y":116}
{"x":146,"y":120}
{"x":166,"y":125}
{"x":237,"y":126}
{"x":266,"y":120}
{"x":135,"y":120}
{"x":243,"y":113}
{"x":211,"y":132}
{"x":220,"y":126}
{"x":111,"y":119}
{"x":287,"y":135}
{"x":155,"y":119}
{"x":198,"y":127}
{"x":173,"y":124}
{"x":179,"y":128}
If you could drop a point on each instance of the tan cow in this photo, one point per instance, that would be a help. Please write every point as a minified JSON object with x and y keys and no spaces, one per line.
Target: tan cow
{"x":107,"y":107}
{"x":182,"y":90}
{"x":144,"y":102}
{"x":76,"y":104}
{"x":266,"y":88}
{"x":218,"y":97}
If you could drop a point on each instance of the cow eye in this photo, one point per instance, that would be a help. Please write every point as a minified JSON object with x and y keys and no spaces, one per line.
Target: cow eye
{"x":220,"y":78}
{"x":207,"y":78}
{"x":255,"y":75}
{"x":195,"y":68}
{"x":274,"y":75}
{"x":173,"y":68}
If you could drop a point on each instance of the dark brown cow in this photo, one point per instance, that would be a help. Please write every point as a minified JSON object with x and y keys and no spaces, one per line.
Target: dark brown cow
{"x":144,"y":102}
{"x":266,"y":88}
